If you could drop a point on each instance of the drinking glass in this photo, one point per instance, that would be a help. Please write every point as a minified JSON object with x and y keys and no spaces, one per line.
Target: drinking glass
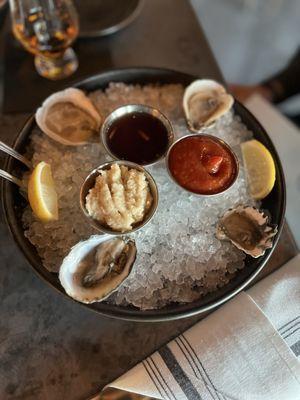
{"x":47,"y":28}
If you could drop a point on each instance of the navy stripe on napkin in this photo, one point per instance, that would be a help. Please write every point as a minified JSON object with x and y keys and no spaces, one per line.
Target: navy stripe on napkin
{"x":288,"y":330}
{"x":296,"y":348}
{"x":166,"y":387}
{"x":153,"y":378}
{"x":288,"y":323}
{"x":193,"y":364}
{"x":179,"y":375}
{"x":291,"y":333}
{"x":204,"y":374}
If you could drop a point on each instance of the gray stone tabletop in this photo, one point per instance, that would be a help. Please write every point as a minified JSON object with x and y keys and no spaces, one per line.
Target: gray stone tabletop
{"x":52,"y":348}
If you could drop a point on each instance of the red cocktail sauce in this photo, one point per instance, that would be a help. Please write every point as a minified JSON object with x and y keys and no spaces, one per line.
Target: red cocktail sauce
{"x":202,"y":164}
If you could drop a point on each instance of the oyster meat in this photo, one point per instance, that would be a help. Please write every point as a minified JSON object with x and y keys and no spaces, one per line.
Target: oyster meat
{"x":248,"y":229}
{"x":97,"y":267}
{"x":68,"y":117}
{"x":204,"y":101}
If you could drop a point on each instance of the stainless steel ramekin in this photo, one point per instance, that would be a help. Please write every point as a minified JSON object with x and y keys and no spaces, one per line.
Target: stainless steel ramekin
{"x":89,"y":182}
{"x":130,"y":109}
{"x":216,"y":139}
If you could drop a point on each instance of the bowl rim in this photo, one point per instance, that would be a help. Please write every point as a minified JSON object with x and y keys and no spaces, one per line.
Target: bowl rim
{"x":177,"y":311}
{"x":216,"y":139}
{"x":148,"y":216}
{"x":140,"y":108}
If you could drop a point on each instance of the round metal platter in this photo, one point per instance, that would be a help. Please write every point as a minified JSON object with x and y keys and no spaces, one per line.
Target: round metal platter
{"x":14,"y":203}
{"x":105,"y":17}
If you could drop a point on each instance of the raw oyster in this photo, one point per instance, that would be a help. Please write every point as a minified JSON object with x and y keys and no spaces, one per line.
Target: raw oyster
{"x":204,"y":101}
{"x":95,"y":268}
{"x":69,"y":117}
{"x":248,"y":229}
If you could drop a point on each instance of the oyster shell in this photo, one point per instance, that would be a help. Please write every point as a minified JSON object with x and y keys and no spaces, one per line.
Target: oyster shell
{"x":248,"y":229}
{"x":68,"y":117}
{"x":204,"y":101}
{"x":96,"y":267}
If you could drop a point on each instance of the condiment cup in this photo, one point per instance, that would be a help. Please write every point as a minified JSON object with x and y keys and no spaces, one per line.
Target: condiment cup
{"x":130,"y":109}
{"x":216,"y":139}
{"x":89,"y":183}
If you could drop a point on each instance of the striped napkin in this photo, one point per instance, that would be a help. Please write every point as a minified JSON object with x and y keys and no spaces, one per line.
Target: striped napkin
{"x":249,"y":349}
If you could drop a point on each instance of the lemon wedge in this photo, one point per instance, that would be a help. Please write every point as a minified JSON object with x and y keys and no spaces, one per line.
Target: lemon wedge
{"x":260,"y":168}
{"x":41,"y":193}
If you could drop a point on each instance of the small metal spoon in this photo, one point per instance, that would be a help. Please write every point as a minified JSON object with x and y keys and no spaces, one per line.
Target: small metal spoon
{"x":8,"y":150}
{"x":11,"y":178}
{"x":13,"y":153}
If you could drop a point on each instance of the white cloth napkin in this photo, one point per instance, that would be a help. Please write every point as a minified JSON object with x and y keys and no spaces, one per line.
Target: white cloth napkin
{"x":246,"y":350}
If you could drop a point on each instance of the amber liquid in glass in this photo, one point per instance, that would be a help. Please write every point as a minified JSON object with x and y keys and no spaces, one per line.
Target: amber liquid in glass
{"x":38,"y":37}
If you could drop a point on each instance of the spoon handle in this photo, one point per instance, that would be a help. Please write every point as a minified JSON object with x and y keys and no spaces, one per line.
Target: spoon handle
{"x":15,"y":154}
{"x":11,"y":178}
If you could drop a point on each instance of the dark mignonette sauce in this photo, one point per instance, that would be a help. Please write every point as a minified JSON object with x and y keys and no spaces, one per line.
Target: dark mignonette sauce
{"x":137,"y":137}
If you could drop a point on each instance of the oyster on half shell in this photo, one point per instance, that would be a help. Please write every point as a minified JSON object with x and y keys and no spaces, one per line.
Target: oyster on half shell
{"x":204,"y":101}
{"x":96,"y":267}
{"x":69,"y":117}
{"x":248,"y":229}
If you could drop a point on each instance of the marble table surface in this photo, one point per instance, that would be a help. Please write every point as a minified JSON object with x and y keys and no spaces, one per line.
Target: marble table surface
{"x":52,"y":348}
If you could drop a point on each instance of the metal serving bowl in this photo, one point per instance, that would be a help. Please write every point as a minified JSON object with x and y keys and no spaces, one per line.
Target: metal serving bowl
{"x":216,"y":139}
{"x":13,"y":205}
{"x":89,"y":182}
{"x":130,"y":109}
